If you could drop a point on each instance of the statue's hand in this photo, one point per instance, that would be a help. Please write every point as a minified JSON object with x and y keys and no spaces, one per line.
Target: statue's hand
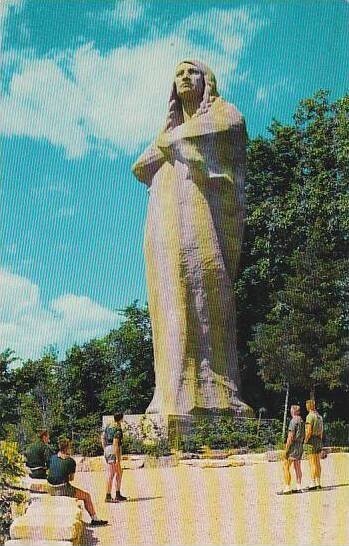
{"x":163,"y":142}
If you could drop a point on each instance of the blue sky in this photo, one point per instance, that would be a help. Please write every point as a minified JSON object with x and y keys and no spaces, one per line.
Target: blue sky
{"x":84,"y":89}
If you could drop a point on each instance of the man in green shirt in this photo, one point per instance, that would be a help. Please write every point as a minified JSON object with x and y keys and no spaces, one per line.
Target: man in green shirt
{"x":61,"y":472}
{"x":313,"y":438}
{"x":38,"y":455}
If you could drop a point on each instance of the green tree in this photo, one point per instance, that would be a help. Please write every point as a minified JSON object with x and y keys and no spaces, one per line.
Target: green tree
{"x":8,"y":399}
{"x":11,"y":468}
{"x":297,"y":196}
{"x":84,"y":375}
{"x":304,"y":342}
{"x":39,"y":394}
{"x":132,"y":382}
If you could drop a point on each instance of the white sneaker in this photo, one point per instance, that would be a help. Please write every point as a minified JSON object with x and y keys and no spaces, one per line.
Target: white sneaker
{"x":287,"y":489}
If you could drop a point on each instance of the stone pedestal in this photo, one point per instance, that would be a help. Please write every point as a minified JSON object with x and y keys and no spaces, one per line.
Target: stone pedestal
{"x":150,"y":427}
{"x":143,"y":426}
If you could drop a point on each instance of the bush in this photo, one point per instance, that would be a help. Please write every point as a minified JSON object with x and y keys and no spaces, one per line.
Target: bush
{"x":132,"y":445}
{"x":135,"y":446}
{"x":11,"y":468}
{"x":227,"y":432}
{"x":158,"y":448}
{"x":336,"y":433}
{"x":89,"y":445}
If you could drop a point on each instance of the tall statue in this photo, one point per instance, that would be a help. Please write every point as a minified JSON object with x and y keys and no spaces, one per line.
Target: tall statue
{"x":195,"y":173}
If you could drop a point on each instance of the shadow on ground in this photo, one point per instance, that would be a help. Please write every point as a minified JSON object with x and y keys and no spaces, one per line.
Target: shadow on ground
{"x":326,"y":488}
{"x":139,"y":499}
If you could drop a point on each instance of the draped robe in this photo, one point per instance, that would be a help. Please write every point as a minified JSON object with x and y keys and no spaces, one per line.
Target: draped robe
{"x":195,"y":174}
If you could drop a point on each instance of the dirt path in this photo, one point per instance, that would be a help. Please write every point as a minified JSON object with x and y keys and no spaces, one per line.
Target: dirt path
{"x":188,"y":505}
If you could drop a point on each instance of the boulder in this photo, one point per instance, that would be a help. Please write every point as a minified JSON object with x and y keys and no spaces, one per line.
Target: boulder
{"x":97,"y":464}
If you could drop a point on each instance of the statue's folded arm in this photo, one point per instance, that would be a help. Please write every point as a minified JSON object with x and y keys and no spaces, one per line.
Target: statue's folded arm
{"x":206,"y":150}
{"x":148,"y":164}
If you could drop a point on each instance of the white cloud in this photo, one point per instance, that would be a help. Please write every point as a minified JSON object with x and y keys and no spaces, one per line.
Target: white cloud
{"x":264,"y":92}
{"x":6,"y":6}
{"x":119,"y":100}
{"x":65,"y":212}
{"x":27,"y":325}
{"x":127,"y":12}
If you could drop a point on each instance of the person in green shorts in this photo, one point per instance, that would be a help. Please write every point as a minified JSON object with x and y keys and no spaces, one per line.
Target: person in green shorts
{"x":294,"y":450}
{"x":38,"y":455}
{"x":313,"y":438}
{"x":61,"y":472}
{"x":111,"y":438}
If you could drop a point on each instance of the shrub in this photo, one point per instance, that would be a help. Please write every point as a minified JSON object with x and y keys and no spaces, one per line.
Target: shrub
{"x":227,"y":432}
{"x":336,"y":433}
{"x":158,"y":448}
{"x":132,"y":445}
{"x":11,"y":468}
{"x":89,"y":445}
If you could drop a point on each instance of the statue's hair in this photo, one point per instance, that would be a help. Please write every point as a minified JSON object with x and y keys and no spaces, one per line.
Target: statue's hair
{"x":175,"y":113}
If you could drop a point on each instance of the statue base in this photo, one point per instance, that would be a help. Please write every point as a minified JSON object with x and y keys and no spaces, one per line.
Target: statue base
{"x":150,"y":427}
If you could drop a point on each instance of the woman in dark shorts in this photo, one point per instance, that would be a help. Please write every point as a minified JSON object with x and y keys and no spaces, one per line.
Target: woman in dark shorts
{"x":294,"y":450}
{"x":61,"y":472}
{"x":111,"y":439}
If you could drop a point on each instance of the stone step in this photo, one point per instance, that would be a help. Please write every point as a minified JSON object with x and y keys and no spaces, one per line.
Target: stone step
{"x":45,"y":513}
{"x":34,"y":485}
{"x":35,"y":542}
{"x":37,"y":526}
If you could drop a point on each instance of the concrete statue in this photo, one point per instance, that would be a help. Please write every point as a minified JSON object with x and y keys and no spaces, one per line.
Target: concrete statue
{"x":195,"y":172}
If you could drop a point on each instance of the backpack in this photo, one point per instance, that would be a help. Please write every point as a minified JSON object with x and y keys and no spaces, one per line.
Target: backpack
{"x":109,"y":434}
{"x":300,"y":431}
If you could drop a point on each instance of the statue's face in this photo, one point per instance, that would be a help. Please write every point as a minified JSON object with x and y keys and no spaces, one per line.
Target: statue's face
{"x":189,"y":81}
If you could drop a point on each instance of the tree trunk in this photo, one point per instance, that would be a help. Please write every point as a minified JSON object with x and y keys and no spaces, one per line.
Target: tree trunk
{"x":285,"y":411}
{"x":312,"y":393}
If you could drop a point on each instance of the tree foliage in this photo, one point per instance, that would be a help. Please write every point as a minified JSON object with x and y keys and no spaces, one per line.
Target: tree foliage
{"x":294,"y":274}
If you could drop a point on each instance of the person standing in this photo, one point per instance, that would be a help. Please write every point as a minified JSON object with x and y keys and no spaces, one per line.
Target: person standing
{"x":294,"y":450}
{"x":111,"y":438}
{"x":313,"y":438}
{"x":38,"y":455}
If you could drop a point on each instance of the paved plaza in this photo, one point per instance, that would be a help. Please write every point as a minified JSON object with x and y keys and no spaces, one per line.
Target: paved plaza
{"x":188,"y":505}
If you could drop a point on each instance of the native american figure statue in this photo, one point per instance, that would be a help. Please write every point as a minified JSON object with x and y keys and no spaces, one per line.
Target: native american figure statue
{"x":195,"y":172}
